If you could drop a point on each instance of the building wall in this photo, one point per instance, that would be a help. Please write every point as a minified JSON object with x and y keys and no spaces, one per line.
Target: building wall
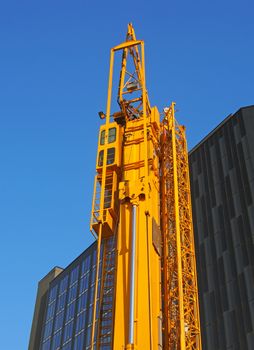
{"x":222,"y":183}
{"x":40,"y":306}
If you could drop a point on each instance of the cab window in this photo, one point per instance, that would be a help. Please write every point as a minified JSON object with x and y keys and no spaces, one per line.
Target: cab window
{"x":108,"y":196}
{"x":111,"y":135}
{"x":100,"y":158}
{"x":102,"y":138}
{"x":110,"y":156}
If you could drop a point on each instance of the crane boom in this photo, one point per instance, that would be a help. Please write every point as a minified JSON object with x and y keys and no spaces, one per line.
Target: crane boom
{"x":146,"y":293}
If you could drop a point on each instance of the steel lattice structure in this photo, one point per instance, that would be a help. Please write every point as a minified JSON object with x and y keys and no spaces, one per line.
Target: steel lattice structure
{"x":180,"y":293}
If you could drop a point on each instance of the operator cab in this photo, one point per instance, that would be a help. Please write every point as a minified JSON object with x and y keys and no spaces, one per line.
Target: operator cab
{"x":109,"y":144}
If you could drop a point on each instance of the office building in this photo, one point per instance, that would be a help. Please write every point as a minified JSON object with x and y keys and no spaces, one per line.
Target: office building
{"x":222,"y":183}
{"x":67,"y":312}
{"x":40,"y":307}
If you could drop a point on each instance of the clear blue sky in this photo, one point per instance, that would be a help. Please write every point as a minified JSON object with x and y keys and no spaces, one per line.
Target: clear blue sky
{"x":54,"y":59}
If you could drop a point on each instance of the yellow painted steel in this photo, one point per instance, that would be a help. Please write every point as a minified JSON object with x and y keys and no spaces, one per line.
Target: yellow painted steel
{"x":101,"y":207}
{"x":180,"y":290}
{"x":133,"y":190}
{"x":142,"y":211}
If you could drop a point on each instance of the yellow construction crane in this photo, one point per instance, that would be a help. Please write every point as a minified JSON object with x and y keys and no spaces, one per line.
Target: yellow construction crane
{"x":145,"y":294}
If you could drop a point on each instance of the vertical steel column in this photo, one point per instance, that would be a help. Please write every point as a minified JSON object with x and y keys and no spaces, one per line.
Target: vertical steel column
{"x":132,"y":275}
{"x":102,"y":201}
{"x":178,"y":233}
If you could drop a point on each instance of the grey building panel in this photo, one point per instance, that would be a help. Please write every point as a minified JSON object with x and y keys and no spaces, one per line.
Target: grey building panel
{"x":250,"y":340}
{"x":249,"y":280}
{"x":40,"y":308}
{"x":222,"y":185}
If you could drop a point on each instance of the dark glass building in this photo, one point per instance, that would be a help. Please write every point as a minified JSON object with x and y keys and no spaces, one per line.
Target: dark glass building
{"x":222,"y":184}
{"x":67,"y":323}
{"x":67,"y":314}
{"x":65,"y":302}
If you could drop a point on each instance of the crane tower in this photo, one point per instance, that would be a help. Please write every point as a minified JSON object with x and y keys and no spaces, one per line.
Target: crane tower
{"x":146,"y":295}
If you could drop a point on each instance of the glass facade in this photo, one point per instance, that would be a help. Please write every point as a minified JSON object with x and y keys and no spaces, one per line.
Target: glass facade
{"x":68,"y":318}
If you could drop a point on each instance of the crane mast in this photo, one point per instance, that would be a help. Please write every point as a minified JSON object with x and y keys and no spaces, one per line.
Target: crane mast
{"x":145,"y":293}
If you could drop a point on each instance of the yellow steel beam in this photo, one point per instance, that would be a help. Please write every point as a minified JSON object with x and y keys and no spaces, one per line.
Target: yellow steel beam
{"x":127,"y":44}
{"x":181,"y":311}
{"x":178,"y":233}
{"x":104,"y":170}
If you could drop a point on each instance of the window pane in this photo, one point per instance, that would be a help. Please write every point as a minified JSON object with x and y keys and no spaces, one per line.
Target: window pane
{"x":51,"y":310}
{"x":70,"y":311}
{"x":83,"y":283}
{"x":59,"y":321}
{"x":67,"y":346}
{"x":90,"y":315}
{"x":61,"y":302}
{"x":88,"y":336}
{"x":94,"y":259}
{"x":100,"y":160}
{"x":56,"y":341}
{"x":74,"y":275}
{"x":52,"y":294}
{"x":107,"y":196}
{"x":46,"y":345}
{"x":110,"y":156}
{"x":79,"y":341}
{"x":68,"y":331}
{"x":85,"y":267}
{"x":73,"y":292}
{"x":63,"y":284}
{"x":102,"y":138}
{"x":82,"y":302}
{"x":111,"y":135}
{"x":80,"y":322}
{"x":48,"y":329}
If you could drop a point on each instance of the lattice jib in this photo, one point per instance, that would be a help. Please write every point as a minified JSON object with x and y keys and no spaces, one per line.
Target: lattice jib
{"x":180,"y":294}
